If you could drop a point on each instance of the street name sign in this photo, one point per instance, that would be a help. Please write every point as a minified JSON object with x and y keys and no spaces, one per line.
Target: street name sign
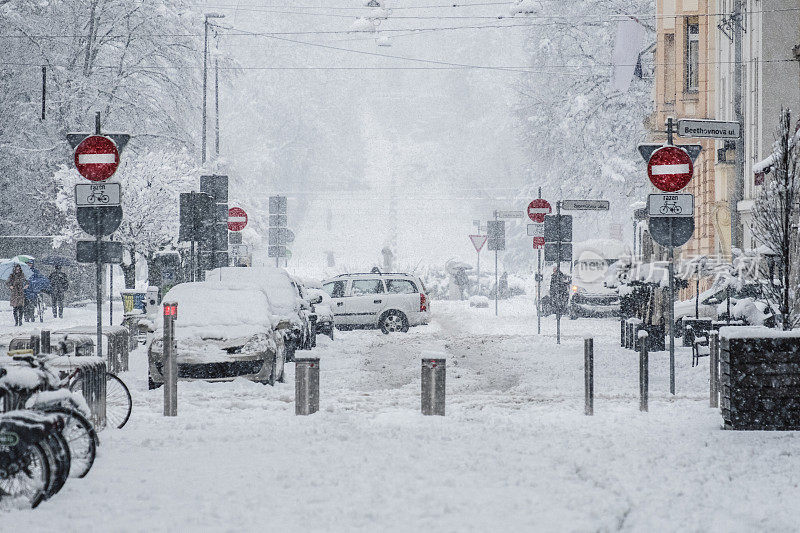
{"x":509,"y":214}
{"x":237,"y":219}
{"x":94,"y":194}
{"x":585,"y":205}
{"x":670,"y":205}
{"x":97,"y":158}
{"x":478,"y":241}
{"x":670,"y":168}
{"x":711,"y":129}
{"x":537,"y":210}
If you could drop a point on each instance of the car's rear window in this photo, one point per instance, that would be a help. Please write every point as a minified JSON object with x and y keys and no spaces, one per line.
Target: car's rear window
{"x":400,"y":286}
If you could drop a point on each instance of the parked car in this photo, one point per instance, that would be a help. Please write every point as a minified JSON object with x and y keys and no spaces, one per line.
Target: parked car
{"x":321,"y":305}
{"x":221,"y":333}
{"x":283,"y":295}
{"x":389,"y":301}
{"x":589,"y":294}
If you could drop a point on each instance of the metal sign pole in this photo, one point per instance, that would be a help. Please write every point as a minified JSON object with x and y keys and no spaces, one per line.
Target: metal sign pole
{"x":496,"y":282}
{"x":539,"y":292}
{"x":671,"y":308}
{"x":479,"y":271}
{"x":99,"y":283}
{"x":558,"y":271}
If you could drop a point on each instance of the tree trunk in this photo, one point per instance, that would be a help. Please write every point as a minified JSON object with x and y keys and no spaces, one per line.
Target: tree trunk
{"x":129,"y":270}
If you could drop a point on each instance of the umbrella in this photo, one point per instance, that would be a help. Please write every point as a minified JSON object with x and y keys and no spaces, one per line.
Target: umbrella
{"x":6,"y":267}
{"x":58,"y":260}
{"x":23,"y":258}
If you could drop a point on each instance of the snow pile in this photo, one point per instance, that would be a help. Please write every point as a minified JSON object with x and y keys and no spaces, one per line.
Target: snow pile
{"x":756,"y":332}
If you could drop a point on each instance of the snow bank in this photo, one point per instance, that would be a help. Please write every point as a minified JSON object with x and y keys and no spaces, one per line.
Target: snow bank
{"x":755,"y":332}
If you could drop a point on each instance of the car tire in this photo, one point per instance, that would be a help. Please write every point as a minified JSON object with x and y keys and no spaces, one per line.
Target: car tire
{"x":393,"y":321}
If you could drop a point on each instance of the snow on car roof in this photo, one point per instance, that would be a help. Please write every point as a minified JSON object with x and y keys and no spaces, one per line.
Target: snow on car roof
{"x":274,"y":283}
{"x":214,"y":312}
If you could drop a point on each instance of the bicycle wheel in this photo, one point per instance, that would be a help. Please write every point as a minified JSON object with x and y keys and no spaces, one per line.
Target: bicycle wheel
{"x":57,"y":451}
{"x":81,"y":439}
{"x":118,"y":401}
{"x":29,"y":484}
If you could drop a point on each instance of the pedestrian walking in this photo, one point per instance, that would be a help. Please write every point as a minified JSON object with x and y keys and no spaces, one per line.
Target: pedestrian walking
{"x":559,"y":290}
{"x":17,"y":284}
{"x":59,"y":283}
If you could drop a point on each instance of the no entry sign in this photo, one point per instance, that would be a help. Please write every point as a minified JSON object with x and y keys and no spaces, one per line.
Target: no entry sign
{"x":538,"y":208}
{"x":670,"y":168}
{"x":237,"y":219}
{"x":97,"y":158}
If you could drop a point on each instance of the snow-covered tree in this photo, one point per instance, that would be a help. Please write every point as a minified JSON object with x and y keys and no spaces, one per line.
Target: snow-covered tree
{"x":775,"y":218}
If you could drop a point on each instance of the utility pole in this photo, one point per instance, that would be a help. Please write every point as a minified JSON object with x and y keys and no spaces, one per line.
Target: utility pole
{"x":44,"y":90}
{"x":205,"y":74}
{"x":737,"y":192}
{"x":216,"y":107}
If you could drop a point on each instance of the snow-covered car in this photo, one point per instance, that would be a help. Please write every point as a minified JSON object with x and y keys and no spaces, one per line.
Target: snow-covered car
{"x":221,"y":333}
{"x":389,"y":301}
{"x":322,"y":307}
{"x":283,"y":296}
{"x":589,"y":294}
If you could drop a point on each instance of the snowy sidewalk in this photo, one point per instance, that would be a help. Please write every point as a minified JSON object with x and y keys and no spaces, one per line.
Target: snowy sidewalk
{"x":514,"y":452}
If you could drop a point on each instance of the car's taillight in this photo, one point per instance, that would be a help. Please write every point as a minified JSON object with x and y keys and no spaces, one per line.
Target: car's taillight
{"x":423,"y":303}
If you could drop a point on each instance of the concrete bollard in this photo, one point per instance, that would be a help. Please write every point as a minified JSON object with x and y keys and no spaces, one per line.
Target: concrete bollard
{"x":170,"y":364}
{"x":588,"y":375}
{"x":713,"y":366}
{"x":644,"y":371}
{"x":433,"y":386}
{"x":306,"y":386}
{"x":44,"y":337}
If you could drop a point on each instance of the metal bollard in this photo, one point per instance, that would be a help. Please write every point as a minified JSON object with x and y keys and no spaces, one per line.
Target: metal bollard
{"x":588,"y":375}
{"x":622,"y":332}
{"x":433,"y":386}
{"x":44,"y":337}
{"x":306,"y":386}
{"x":644,"y":371}
{"x":170,"y":364}
{"x":35,"y":344}
{"x":713,"y":364}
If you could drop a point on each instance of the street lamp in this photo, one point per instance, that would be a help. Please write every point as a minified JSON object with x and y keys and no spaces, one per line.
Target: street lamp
{"x":205,"y":72}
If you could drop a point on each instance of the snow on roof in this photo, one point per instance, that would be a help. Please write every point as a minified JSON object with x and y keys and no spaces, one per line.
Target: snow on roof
{"x":206,"y":311}
{"x":274,"y":283}
{"x":756,"y":332}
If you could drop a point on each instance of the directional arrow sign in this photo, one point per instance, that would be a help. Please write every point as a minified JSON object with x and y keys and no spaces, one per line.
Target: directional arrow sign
{"x":478,"y":241}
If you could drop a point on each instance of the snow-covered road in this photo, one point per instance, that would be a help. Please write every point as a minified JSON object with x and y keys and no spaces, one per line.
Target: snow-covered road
{"x":514,"y":452}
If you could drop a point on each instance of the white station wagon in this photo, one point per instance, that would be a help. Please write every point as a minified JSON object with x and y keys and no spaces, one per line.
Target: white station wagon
{"x":390,"y":301}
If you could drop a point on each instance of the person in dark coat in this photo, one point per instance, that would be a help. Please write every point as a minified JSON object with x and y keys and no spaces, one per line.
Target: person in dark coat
{"x":559,"y":290}
{"x":17,"y":284}
{"x":59,"y":283}
{"x":36,"y":283}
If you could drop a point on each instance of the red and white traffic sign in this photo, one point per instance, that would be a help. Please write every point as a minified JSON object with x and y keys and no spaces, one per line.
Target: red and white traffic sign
{"x":237,"y":219}
{"x":97,"y":158}
{"x":538,"y":208}
{"x":670,"y":168}
{"x":538,"y":242}
{"x":478,"y":241}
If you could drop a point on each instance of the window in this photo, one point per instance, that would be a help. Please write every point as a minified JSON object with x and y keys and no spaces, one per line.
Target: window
{"x":669,"y":68}
{"x":335,"y":289}
{"x":366,"y":286}
{"x":400,"y":286}
{"x":692,"y":58}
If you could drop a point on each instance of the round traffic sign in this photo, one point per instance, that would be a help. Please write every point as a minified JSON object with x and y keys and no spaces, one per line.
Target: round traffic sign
{"x":538,"y":208}
{"x":97,"y":158}
{"x":670,"y":168}
{"x":237,"y":219}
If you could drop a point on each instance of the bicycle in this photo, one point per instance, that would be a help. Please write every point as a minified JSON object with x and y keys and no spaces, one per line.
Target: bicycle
{"x":670,"y":209}
{"x":99,"y":198}
{"x":78,"y":432}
